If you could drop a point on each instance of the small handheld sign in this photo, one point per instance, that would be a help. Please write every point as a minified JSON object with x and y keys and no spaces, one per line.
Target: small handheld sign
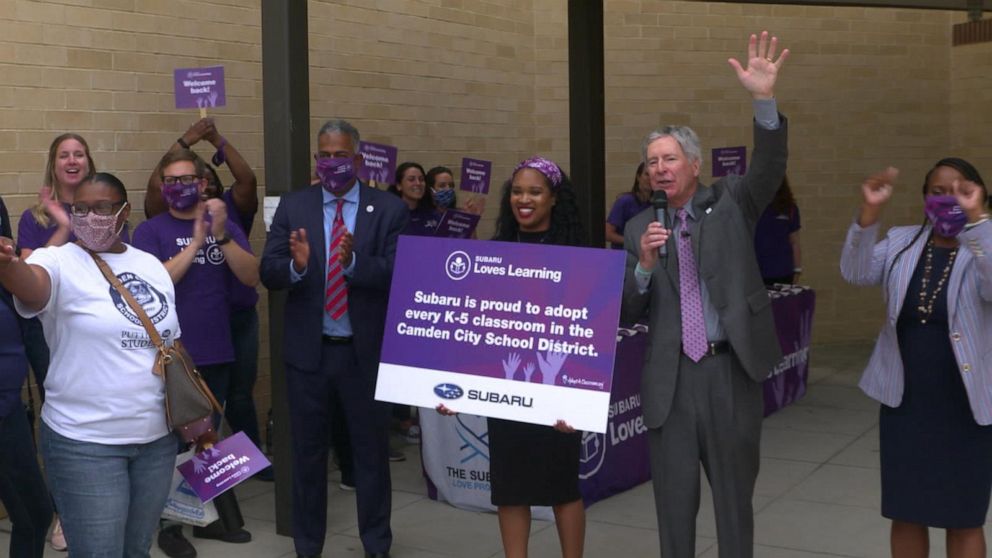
{"x":200,"y":88}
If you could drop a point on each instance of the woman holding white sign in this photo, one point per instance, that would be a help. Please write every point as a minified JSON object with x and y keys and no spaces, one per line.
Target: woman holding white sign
{"x":537,"y":206}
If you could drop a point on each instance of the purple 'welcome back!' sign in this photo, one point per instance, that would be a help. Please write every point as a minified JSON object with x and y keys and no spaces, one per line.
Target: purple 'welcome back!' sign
{"x":380,"y":162}
{"x":729,"y":160}
{"x":457,"y":224}
{"x":218,"y":469}
{"x":524,"y":332}
{"x":199,"y":87}
{"x":476,"y":175}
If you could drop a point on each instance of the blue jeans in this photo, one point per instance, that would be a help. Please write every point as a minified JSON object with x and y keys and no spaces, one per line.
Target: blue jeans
{"x":240,"y":407}
{"x":109,"y":496}
{"x":22,"y":488}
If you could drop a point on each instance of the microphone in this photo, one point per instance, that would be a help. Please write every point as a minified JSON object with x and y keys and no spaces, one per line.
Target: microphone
{"x":659,"y":200}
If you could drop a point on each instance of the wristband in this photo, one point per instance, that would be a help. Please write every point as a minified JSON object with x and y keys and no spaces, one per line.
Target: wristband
{"x":224,"y":239}
{"x":219,"y":158}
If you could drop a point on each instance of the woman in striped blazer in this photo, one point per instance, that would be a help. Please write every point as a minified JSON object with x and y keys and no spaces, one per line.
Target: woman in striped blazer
{"x":932,"y":365}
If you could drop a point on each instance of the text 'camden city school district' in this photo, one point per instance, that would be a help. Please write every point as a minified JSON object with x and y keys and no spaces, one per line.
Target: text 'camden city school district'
{"x":471,"y":320}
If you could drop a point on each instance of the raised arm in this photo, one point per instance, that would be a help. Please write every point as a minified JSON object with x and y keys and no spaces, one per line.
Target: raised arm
{"x":862,"y":260}
{"x":244,"y":191}
{"x":977,"y":235}
{"x":29,"y":283}
{"x":768,"y":161}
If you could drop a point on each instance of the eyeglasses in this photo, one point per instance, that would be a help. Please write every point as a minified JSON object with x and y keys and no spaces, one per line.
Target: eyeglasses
{"x":100,"y":208}
{"x":185,"y":179}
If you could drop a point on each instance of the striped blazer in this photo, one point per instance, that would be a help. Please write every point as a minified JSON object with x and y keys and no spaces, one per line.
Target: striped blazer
{"x":864,"y":261}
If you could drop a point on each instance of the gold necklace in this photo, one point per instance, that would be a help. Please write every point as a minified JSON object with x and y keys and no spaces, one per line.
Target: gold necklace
{"x":926,"y":306}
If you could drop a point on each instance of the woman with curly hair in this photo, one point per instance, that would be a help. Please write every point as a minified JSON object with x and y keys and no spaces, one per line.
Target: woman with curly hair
{"x":538,"y":206}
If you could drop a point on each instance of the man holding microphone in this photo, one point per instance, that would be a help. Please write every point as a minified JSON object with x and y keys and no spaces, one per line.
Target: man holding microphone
{"x":712,"y":333}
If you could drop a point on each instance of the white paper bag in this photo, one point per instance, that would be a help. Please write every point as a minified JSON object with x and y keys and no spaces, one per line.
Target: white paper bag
{"x":183,"y":504}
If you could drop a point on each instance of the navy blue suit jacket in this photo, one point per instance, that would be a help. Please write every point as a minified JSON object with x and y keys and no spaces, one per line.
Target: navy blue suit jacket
{"x":380,"y":219}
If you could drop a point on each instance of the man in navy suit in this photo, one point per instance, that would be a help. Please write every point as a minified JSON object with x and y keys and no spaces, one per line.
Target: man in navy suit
{"x":332,"y":246}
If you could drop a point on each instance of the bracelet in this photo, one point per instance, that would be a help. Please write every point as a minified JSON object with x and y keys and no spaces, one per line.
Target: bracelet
{"x":224,"y":239}
{"x":797,"y":270}
{"x":219,"y":158}
{"x":182,"y":143}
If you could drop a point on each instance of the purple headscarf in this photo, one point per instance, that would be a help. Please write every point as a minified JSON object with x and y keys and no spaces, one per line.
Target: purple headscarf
{"x":544,"y":166}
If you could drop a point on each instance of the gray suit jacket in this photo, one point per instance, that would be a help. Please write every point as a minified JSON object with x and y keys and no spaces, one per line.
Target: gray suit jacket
{"x":723,"y":241}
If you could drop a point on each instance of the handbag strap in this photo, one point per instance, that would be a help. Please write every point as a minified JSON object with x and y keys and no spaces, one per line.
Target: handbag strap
{"x":124,"y":292}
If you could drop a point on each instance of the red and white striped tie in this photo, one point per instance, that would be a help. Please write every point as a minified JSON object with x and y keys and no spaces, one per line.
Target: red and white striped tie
{"x":337,"y":290}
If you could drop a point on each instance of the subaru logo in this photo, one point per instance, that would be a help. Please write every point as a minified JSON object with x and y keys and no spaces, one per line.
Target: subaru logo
{"x":448,"y":391}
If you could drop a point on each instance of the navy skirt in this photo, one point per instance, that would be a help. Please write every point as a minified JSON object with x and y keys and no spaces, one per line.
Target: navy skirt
{"x":936,"y":460}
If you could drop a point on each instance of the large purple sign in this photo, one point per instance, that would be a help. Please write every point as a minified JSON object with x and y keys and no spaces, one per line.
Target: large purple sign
{"x":200,"y":88}
{"x":476,"y":175}
{"x":518,"y":331}
{"x":380,"y":162}
{"x":457,"y":224}
{"x":729,"y":160}
{"x":216,"y":470}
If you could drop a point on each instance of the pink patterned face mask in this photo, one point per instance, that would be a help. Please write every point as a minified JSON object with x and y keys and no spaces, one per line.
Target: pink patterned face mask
{"x":97,"y":232}
{"x":946,"y":215}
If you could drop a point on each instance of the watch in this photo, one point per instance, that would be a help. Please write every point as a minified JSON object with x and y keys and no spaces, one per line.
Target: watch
{"x":224,"y":239}
{"x":182,"y":143}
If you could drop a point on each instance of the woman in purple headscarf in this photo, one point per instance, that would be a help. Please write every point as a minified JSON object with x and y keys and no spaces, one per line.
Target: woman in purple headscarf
{"x":534,"y":465}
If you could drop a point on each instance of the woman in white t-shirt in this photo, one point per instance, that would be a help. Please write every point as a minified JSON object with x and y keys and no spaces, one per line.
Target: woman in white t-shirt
{"x":107,"y":449}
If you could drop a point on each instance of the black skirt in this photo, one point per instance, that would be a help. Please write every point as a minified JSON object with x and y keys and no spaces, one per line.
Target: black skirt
{"x":532,"y":465}
{"x":936,"y":460}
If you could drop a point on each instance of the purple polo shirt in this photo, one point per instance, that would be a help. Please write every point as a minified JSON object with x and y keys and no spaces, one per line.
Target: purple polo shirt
{"x":243,"y":297}
{"x":203,"y":296}
{"x":626,"y":206}
{"x":771,"y":242}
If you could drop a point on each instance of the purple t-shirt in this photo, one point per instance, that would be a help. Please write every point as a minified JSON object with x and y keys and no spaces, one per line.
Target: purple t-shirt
{"x":771,"y":242}
{"x":31,"y":235}
{"x":626,"y":206}
{"x":242,"y":296}
{"x":203,"y":295}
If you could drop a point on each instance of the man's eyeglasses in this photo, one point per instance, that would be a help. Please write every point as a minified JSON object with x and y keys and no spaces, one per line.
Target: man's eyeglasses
{"x":100,"y":208}
{"x":185,"y":179}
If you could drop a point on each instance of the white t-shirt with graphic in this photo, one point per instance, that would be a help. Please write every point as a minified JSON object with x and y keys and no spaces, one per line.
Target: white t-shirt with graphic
{"x":100,"y":387}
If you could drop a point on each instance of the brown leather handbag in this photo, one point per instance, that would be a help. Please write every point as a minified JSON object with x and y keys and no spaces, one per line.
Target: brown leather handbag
{"x":189,"y":403}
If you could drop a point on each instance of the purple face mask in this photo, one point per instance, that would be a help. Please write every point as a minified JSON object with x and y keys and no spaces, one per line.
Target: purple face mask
{"x":946,"y":215}
{"x":181,"y":196}
{"x":97,"y":232}
{"x":336,"y":174}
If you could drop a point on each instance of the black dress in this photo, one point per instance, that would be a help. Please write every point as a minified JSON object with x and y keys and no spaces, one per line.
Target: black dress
{"x":936,"y":460}
{"x":529,"y":464}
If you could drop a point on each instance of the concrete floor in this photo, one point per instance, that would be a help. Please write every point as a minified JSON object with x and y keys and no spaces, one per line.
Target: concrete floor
{"x":817,"y":495}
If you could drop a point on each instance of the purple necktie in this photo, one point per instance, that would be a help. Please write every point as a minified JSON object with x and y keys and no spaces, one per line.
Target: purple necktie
{"x":694,"y":343}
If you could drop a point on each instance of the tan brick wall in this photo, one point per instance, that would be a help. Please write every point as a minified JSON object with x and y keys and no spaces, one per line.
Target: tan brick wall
{"x":864,"y":88}
{"x":971,"y":105}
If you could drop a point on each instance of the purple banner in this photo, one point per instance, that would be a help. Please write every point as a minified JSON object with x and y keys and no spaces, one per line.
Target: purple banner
{"x":218,"y":469}
{"x":793,"y":308}
{"x":457,"y":224}
{"x":380,"y":162}
{"x":199,"y":87}
{"x":617,"y":460}
{"x":476,"y":175}
{"x":729,"y":160}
